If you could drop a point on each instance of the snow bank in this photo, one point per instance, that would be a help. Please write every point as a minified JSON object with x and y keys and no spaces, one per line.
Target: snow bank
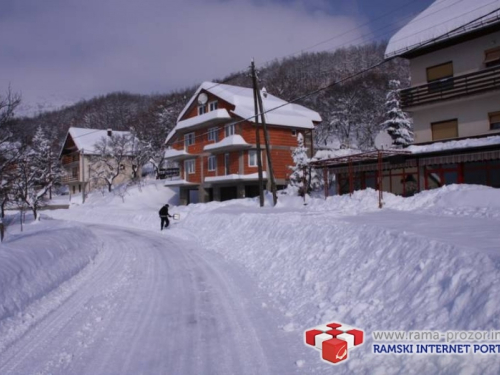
{"x":38,"y":260}
{"x":320,"y":264}
{"x":410,"y":266}
{"x":137,"y":209}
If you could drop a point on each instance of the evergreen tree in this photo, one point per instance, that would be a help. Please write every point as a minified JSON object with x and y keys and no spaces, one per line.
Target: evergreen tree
{"x":398,"y":124}
{"x":301,"y":172}
{"x":300,"y":161}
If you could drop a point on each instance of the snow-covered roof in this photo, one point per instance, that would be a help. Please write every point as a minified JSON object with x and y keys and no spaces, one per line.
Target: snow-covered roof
{"x":443,"y":20}
{"x":416,"y":149}
{"x":454,"y":145}
{"x":196,"y":120}
{"x":292,"y":115}
{"x":85,"y":138}
{"x":233,"y":141}
{"x":329,"y":154}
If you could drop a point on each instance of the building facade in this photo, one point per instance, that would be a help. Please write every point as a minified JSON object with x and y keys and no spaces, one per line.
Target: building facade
{"x":78,"y":159}
{"x":454,"y":101}
{"x":215,"y":143}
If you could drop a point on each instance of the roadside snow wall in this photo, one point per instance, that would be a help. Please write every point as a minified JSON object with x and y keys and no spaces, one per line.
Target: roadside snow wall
{"x":40,"y":259}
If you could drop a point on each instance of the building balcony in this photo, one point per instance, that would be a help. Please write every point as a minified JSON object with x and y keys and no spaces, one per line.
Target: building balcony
{"x":67,"y":160}
{"x":207,"y":119}
{"x":232,"y":143}
{"x":69,"y":164}
{"x":452,"y":88}
{"x":178,"y":182}
{"x":177,"y":155}
{"x":234,"y":178}
{"x":69,"y":179}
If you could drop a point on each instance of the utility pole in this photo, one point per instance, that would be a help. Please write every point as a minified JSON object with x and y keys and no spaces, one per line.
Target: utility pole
{"x":50,"y":174}
{"x":82,"y":163}
{"x":266,"y":136}
{"x":257,"y":135}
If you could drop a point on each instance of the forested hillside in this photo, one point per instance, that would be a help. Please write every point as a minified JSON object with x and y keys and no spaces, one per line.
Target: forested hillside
{"x":352,"y":111}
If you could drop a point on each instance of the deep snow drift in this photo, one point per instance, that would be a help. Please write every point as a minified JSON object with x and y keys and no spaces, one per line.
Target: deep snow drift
{"x":429,"y":262}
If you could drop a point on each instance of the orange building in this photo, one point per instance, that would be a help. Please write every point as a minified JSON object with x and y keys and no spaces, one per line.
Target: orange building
{"x":214,"y":142}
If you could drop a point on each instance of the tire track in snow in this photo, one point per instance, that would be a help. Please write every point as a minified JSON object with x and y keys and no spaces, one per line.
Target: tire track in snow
{"x":151,"y":304}
{"x":60,"y":309}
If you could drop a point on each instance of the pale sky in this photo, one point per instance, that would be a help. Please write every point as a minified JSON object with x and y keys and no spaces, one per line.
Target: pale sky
{"x":60,"y":51}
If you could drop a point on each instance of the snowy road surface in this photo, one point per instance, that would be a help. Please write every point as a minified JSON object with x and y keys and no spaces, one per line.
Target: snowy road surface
{"x":150,"y":304}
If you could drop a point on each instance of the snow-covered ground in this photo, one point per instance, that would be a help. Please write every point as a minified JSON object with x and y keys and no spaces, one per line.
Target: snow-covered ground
{"x":102,"y":283}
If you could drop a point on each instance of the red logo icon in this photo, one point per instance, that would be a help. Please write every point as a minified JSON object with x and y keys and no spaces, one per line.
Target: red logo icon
{"x":334,"y":340}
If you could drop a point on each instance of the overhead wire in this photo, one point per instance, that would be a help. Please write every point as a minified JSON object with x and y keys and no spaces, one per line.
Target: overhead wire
{"x":359,"y":73}
{"x":384,"y":61}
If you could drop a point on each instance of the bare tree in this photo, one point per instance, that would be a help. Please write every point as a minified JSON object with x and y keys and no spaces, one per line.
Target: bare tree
{"x":112,"y":153}
{"x":10,"y":150}
{"x":36,"y":172}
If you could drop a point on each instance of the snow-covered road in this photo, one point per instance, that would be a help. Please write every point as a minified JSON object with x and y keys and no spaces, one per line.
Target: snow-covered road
{"x":150,"y":304}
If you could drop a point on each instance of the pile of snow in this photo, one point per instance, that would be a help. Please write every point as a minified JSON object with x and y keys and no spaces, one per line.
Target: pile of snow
{"x":336,"y":153}
{"x":39,"y":259}
{"x":428,"y":262}
{"x":454,"y":145}
{"x":134,"y":207}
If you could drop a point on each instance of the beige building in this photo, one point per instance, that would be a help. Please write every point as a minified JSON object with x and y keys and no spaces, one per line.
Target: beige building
{"x":454,"y":100}
{"x":455,"y":90}
{"x":79,"y":160}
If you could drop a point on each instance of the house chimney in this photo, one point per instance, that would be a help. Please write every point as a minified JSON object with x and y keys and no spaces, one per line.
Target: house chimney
{"x":110,"y":132}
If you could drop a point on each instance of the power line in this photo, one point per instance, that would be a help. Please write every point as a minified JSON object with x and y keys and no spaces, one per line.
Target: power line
{"x":428,"y":28}
{"x":345,"y":32}
{"x":352,"y":76}
{"x":376,"y":65}
{"x":239,"y":74}
{"x":374,"y":37}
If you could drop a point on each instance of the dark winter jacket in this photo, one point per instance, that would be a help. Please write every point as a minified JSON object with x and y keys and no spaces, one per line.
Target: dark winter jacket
{"x":164,"y":212}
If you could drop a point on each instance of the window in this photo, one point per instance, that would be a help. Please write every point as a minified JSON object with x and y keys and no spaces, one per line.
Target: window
{"x":440,"y":77}
{"x":440,"y":175}
{"x":494,"y":120}
{"x":229,"y":130}
{"x":202,"y":109}
{"x":252,"y":158}
{"x":74,"y":172}
{"x":294,"y":132}
{"x":188,"y":139}
{"x":212,"y":163}
{"x":213,"y":134}
{"x":189,"y":166}
{"x":444,"y":130}
{"x":213,"y":106}
{"x":438,"y":72}
{"x":492,"y":57}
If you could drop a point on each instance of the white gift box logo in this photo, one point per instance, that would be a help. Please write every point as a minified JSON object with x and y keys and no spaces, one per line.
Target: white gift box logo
{"x":334,"y":340}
